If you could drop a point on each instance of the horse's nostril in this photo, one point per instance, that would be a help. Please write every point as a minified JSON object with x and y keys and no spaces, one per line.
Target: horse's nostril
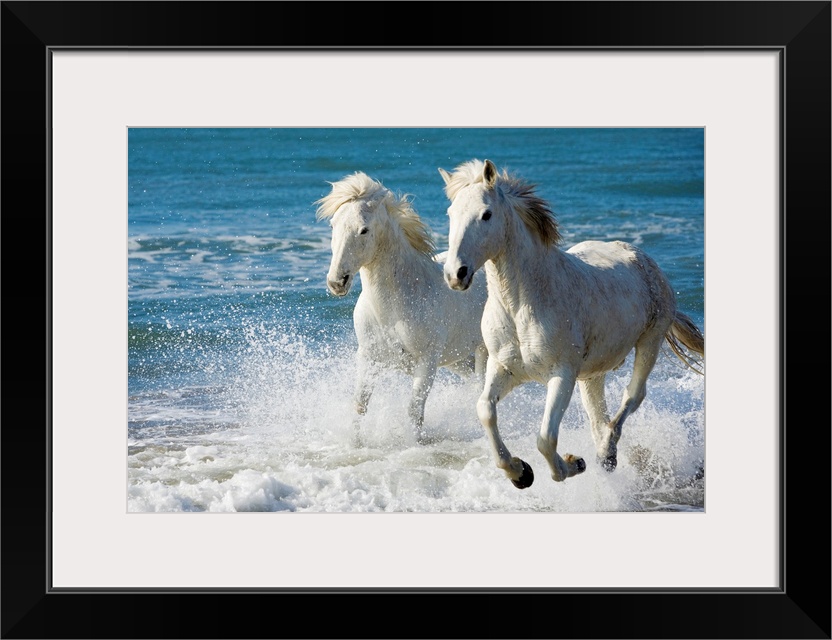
{"x":463,"y":271}
{"x":345,"y":278}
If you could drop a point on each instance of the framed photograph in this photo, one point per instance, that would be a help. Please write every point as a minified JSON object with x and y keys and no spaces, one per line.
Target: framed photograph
{"x":208,"y":432}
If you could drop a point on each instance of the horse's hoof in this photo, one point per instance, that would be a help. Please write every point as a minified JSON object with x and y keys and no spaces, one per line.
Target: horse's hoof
{"x":609,"y":463}
{"x":574,"y":465}
{"x":423,"y":439}
{"x":526,"y":478}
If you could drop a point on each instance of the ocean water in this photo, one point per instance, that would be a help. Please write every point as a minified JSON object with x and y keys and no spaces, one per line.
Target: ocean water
{"x":241,"y":364}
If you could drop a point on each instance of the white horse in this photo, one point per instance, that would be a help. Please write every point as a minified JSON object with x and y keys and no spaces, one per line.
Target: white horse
{"x":556,"y":317}
{"x":405,"y":316}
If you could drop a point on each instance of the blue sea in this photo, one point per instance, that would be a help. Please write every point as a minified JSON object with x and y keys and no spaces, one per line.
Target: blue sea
{"x":241,"y":363}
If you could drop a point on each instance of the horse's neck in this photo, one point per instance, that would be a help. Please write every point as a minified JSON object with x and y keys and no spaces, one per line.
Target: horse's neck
{"x":395,"y":269}
{"x":514,"y":276}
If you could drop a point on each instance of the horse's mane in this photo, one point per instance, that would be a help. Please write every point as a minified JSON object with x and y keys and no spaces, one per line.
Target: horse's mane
{"x":360,"y":186}
{"x":533,"y":210}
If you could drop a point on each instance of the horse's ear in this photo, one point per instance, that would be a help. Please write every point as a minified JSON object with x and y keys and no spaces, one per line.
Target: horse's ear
{"x":445,"y":175}
{"x":489,"y":173}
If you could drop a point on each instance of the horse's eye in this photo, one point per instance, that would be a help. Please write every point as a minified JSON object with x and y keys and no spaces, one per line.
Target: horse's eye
{"x":363,"y":231}
{"x":486,"y":215}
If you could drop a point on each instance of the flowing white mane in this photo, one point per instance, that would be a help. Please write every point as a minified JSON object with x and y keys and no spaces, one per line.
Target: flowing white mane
{"x":360,"y":186}
{"x":519,"y":194}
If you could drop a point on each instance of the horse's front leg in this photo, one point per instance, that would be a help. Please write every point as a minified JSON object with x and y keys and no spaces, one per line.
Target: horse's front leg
{"x":367,"y":371}
{"x":498,"y":383}
{"x":424,"y":374}
{"x":558,"y":393}
{"x":480,"y":363}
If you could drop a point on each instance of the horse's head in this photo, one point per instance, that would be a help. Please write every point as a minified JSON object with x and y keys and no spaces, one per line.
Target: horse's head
{"x":477,"y":220}
{"x":354,"y":208}
{"x":487,"y":209}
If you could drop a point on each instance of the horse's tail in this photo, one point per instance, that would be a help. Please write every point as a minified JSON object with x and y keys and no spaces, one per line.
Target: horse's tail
{"x":684,"y":334}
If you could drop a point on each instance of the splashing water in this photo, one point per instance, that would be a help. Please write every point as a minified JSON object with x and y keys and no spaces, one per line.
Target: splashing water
{"x":275,"y":436}
{"x":241,"y":366}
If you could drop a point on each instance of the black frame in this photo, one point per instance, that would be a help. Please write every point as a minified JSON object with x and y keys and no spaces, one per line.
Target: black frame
{"x":800,"y":608}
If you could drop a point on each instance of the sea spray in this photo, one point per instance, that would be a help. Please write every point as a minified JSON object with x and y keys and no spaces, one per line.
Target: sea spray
{"x":277,"y":439}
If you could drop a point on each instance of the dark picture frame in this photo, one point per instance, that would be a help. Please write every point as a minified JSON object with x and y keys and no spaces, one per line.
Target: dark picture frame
{"x":798,"y":608}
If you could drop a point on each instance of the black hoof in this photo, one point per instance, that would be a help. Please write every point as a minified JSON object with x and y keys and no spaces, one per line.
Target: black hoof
{"x":580,"y":465}
{"x":609,"y":463}
{"x":526,"y":478}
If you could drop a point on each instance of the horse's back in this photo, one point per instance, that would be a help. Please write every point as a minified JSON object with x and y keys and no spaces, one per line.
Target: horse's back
{"x":625,"y":269}
{"x":606,"y":255}
{"x":627,"y":286}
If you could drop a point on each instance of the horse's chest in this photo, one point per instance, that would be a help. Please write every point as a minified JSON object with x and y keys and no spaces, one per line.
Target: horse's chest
{"x":387,"y":339}
{"x":394,"y":342}
{"x":520,"y":342}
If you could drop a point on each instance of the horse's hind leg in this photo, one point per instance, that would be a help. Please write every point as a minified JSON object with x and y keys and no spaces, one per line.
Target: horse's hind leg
{"x":595,"y":405}
{"x":647,"y":351}
{"x":559,"y":392}
{"x":473,"y":364}
{"x":498,"y":384}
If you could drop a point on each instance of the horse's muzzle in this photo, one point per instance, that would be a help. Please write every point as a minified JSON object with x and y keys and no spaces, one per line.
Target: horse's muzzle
{"x":460,"y":280}
{"x":458,"y":285}
{"x":339,"y":287}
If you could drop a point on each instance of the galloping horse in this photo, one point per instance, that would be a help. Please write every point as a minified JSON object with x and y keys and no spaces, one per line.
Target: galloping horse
{"x":556,"y":317}
{"x":405,"y":316}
